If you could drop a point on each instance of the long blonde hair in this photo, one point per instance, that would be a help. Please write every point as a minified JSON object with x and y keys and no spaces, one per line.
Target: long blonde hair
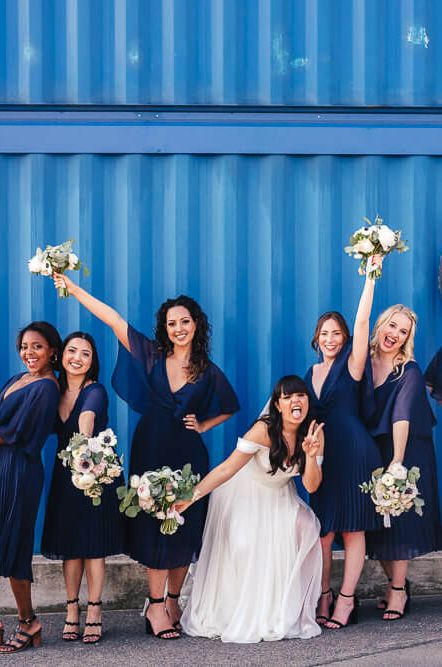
{"x":406,"y":352}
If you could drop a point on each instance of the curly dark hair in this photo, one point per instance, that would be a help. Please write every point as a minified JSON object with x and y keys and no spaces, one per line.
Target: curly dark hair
{"x":51,"y":336}
{"x":289,"y":384}
{"x":92,"y":373}
{"x":199,"y":356}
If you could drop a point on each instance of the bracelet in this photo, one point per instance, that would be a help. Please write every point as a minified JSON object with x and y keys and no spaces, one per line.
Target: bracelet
{"x":196,"y":495}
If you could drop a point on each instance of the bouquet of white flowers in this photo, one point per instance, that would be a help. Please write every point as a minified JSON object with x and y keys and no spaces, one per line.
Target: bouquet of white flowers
{"x":394,"y":491}
{"x":156,"y":492}
{"x":92,"y":462}
{"x":58,"y":258}
{"x":374,"y":239}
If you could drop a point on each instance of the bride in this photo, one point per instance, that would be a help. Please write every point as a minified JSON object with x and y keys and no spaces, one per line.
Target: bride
{"x":259,"y":572}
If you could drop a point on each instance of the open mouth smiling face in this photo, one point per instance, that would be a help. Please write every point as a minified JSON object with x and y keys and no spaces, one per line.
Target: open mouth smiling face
{"x":293,"y":407}
{"x":394,"y":334}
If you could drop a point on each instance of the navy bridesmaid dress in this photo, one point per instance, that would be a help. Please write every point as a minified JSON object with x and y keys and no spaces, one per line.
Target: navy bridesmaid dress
{"x":26,"y":419}
{"x":433,"y":376}
{"x":161,"y":439}
{"x":74,"y":527}
{"x":397,"y":399}
{"x":350,"y":453}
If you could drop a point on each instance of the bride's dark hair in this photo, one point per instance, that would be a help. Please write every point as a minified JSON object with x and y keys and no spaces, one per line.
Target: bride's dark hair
{"x":289,"y":384}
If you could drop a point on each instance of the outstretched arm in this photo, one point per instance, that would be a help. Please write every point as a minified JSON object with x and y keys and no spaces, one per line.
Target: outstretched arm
{"x":225,"y":470}
{"x":358,"y":356}
{"x":101,"y":310}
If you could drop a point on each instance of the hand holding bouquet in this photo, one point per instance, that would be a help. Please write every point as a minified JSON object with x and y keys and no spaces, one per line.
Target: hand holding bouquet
{"x":156,"y":492}
{"x":374,"y":239}
{"x":394,"y":491}
{"x":92,"y":462}
{"x":55,"y":259}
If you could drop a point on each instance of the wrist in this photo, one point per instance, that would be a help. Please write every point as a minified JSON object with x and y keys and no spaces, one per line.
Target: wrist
{"x":196,"y":495}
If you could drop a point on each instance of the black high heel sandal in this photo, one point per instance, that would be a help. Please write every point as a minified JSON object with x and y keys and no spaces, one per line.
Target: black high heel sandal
{"x":93,"y":637}
{"x":382,"y":604}
{"x":331,"y":607}
{"x":175,"y":596}
{"x":353,"y":616}
{"x":399,"y":614}
{"x":72,"y":635}
{"x":29,"y":640}
{"x":161,"y":633}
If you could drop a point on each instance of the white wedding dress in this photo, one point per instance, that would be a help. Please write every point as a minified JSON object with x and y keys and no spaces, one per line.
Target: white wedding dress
{"x":259,"y":572}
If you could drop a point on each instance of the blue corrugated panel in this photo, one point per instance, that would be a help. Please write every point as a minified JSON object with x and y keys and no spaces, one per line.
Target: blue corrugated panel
{"x":257,"y":240}
{"x":253,"y":52}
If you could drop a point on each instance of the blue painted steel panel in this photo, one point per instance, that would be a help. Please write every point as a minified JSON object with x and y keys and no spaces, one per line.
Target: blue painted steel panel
{"x":253,"y":52}
{"x":220,"y":133}
{"x":257,"y":240}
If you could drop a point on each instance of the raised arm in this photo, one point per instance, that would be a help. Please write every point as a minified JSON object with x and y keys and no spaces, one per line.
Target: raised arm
{"x":358,"y":356}
{"x":98,"y":308}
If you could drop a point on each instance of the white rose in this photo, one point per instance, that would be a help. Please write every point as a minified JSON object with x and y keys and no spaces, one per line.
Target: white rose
{"x":73,"y":261}
{"x":387,"y":479}
{"x":365,"y":247}
{"x":398,"y":471}
{"x":135,"y":481}
{"x":143,"y":492}
{"x":83,"y":481}
{"x":94,"y":445}
{"x":35,"y":265}
{"x":387,"y":238}
{"x":160,"y":515}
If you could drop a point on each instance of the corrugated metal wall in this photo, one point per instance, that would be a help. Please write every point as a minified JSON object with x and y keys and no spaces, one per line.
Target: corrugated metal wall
{"x":252,"y":52}
{"x":257,"y":239}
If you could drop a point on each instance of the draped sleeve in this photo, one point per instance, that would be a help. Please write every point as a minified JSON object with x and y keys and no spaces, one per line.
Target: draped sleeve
{"x":130,"y":377}
{"x":247,"y":446}
{"x":433,"y":376}
{"x":31,"y":421}
{"x":406,"y":401}
{"x":95,"y":399}
{"x":221,"y":398}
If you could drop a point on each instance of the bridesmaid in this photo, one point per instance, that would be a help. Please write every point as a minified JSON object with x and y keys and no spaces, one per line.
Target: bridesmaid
{"x":180,"y":394}
{"x":433,"y":377}
{"x":28,"y":405}
{"x":336,"y":388}
{"x":75,"y":531}
{"x":402,"y":425}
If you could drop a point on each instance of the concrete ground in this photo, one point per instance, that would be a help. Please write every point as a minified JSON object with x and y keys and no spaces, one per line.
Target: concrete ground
{"x":416,"y":640}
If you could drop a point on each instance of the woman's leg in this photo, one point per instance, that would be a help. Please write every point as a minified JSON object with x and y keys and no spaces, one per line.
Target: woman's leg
{"x":174,"y":584}
{"x":386,"y":566}
{"x":354,"y":547}
{"x":73,"y":573}
{"x":21,"y":589}
{"x":95,"y":571}
{"x":397,"y":598}
{"x":157,"y":613}
{"x":325,"y":600}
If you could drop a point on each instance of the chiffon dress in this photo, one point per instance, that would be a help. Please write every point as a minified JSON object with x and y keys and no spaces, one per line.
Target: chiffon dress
{"x":74,"y":527}
{"x":433,"y":376}
{"x":161,"y":439}
{"x":259,"y":573}
{"x":26,"y":419}
{"x":397,"y":399}
{"x":350,"y":453}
